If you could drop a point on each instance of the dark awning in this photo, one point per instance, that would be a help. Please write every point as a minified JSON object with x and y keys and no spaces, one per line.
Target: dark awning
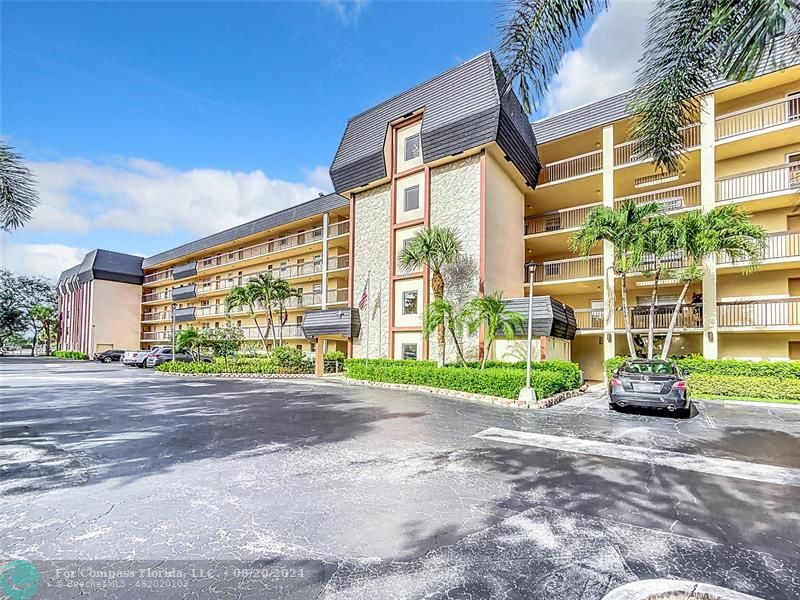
{"x":550,"y":317}
{"x":345,"y":322}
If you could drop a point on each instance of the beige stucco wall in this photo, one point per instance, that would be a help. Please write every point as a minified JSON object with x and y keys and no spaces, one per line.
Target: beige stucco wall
{"x":756,"y":346}
{"x":505,"y":217}
{"x":370,"y":241}
{"x":115,"y":314}
{"x":455,"y":203}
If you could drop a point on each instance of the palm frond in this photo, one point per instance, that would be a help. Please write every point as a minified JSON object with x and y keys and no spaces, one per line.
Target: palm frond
{"x":534,"y":36}
{"x":18,"y":195}
{"x":433,"y":247}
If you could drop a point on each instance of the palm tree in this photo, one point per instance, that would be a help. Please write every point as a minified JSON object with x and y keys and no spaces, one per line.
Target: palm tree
{"x":246,"y":297}
{"x":690,"y":44}
{"x":627,"y":228}
{"x":661,"y":243}
{"x":45,"y":316}
{"x":281,"y":292}
{"x":444,"y":313}
{"x":433,"y":248}
{"x":492,"y":311}
{"x":189,"y":340}
{"x":18,"y":196}
{"x":723,"y":230}
{"x":263,"y":286}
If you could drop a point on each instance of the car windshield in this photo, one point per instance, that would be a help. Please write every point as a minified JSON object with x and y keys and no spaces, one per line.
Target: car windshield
{"x":648,"y":368}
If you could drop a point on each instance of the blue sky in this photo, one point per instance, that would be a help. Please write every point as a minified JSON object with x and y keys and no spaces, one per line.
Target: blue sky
{"x":139,"y":119}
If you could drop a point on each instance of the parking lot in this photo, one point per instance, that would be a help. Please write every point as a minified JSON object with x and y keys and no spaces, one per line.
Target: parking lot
{"x":380,"y":493}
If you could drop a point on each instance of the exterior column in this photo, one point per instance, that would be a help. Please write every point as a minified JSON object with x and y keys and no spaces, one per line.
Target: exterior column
{"x":707,"y":203}
{"x":319,"y":362}
{"x":609,"y":284}
{"x":324,"y":261}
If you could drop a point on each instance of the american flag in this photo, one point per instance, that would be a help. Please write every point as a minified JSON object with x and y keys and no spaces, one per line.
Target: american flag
{"x":362,"y":303}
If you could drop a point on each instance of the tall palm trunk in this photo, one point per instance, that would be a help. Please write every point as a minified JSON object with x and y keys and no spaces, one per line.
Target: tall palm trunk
{"x":674,"y":320}
{"x":271,"y":325}
{"x":626,"y":314}
{"x":456,"y":342}
{"x":284,"y":315}
{"x":653,"y":301}
{"x":258,"y":328}
{"x":437,"y":284}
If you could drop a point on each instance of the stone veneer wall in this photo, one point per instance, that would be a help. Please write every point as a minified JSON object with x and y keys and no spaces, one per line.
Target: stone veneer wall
{"x":370,"y":239}
{"x":455,"y":203}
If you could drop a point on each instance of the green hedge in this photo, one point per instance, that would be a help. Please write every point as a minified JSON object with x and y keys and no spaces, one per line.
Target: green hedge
{"x":496,"y":381}
{"x":239,"y":365}
{"x":569,"y":370}
{"x":71,"y":354}
{"x":744,"y":387}
{"x":727,"y":366}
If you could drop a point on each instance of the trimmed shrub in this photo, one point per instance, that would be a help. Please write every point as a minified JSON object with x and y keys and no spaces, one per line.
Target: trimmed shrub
{"x":70,"y":354}
{"x":744,"y":387}
{"x":502,"y":382}
{"x":727,"y":366}
{"x":238,"y":365}
{"x":290,"y":358}
{"x":335,"y":355}
{"x":571,"y":371}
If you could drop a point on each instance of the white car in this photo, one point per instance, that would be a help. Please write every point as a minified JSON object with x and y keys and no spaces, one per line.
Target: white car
{"x":137,"y":358}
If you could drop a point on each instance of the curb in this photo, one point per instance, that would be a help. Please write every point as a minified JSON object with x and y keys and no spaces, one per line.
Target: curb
{"x":240,"y":375}
{"x":673,"y":589}
{"x":486,"y":399}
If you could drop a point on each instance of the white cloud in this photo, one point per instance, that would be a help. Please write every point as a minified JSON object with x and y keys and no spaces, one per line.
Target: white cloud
{"x":606,"y":61}
{"x":147,"y":197}
{"x":348,"y":11}
{"x":48,"y":260}
{"x":319,"y":177}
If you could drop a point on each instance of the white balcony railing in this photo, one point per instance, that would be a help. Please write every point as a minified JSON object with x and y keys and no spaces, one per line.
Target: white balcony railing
{"x":558,"y":220}
{"x":630,"y":152}
{"x":156,"y":296}
{"x":162,"y":315}
{"x":670,"y":199}
{"x":781,"y":244}
{"x":340,"y":228}
{"x":568,"y":268}
{"x":575,"y":166}
{"x":760,"y":182}
{"x":311,"y":299}
{"x":338,"y":296}
{"x":758,"y":118}
{"x":158,"y":276}
{"x":338,"y":262}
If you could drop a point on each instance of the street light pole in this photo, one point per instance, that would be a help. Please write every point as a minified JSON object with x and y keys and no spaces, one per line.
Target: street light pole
{"x":173,"y":330}
{"x":528,"y":394}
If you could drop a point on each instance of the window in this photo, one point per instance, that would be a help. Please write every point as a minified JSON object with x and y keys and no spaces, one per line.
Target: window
{"x":794,"y":350}
{"x":410,"y":303}
{"x":412,"y":149}
{"x":409,"y":351}
{"x":411,"y":198}
{"x":299,"y":347}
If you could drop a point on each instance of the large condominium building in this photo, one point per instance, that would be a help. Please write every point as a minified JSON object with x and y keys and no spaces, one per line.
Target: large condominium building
{"x":458,"y":151}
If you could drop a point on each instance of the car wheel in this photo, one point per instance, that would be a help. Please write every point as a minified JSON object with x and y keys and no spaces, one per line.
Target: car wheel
{"x":140,"y":365}
{"x":107,"y":359}
{"x":613,"y":406}
{"x":685,"y":413}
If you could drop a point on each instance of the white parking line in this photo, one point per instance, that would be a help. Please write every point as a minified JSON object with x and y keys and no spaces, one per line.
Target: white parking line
{"x":724,"y":467}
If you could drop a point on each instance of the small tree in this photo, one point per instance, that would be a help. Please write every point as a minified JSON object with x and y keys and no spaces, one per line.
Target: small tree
{"x":246,"y":297}
{"x":223,"y":342}
{"x":433,"y":248}
{"x":281,"y":293}
{"x":628,"y":228}
{"x":444,"y":313}
{"x":189,"y":340}
{"x":45,"y":317}
{"x":492,"y":311}
{"x":262,"y":287}
{"x":724,"y":230}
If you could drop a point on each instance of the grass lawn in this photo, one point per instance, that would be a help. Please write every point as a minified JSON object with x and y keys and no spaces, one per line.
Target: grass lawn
{"x":744,"y":399}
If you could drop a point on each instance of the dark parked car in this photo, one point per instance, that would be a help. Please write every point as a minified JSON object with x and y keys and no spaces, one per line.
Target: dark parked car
{"x":109,"y":355}
{"x":163,"y":355}
{"x":649,"y":383}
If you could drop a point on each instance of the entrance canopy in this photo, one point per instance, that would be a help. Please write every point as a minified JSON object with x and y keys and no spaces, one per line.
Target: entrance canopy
{"x":550,"y":317}
{"x":345,"y":322}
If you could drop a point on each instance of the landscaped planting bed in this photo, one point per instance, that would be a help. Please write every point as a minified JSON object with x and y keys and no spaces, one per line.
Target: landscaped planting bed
{"x":70,"y":354}
{"x":499,"y":379}
{"x":731,"y":378}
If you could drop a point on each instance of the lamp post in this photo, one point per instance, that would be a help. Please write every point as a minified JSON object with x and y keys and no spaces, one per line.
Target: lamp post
{"x":528,"y":394}
{"x":172,"y":314}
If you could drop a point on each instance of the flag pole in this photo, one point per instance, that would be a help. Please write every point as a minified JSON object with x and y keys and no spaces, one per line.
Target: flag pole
{"x":369,"y":285}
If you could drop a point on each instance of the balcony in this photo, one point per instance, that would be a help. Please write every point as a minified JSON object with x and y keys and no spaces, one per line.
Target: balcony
{"x":671,"y":199}
{"x":213,"y":310}
{"x":156,"y":336}
{"x":575,"y":166}
{"x":161,"y":315}
{"x":312,"y":299}
{"x":157,"y":296}
{"x":771,"y":181}
{"x":568,"y":268}
{"x":299,"y":270}
{"x":762,"y":117}
{"x":338,"y":296}
{"x":338,"y":262}
{"x":779,"y":245}
{"x":158,"y":276}
{"x":278,"y":245}
{"x":337,"y":229}
{"x":558,"y":220}
{"x":628,"y":153}
{"x":739,"y":315}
